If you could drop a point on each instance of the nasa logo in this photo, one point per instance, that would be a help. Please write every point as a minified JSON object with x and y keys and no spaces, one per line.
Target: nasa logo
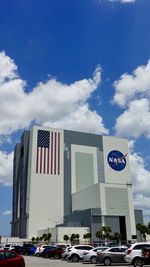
{"x":116,"y":160}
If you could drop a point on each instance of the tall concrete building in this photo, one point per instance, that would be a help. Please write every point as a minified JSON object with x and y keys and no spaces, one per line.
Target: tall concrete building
{"x":73,"y":176}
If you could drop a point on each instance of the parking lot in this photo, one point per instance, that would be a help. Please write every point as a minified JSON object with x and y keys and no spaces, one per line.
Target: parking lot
{"x":32,"y":261}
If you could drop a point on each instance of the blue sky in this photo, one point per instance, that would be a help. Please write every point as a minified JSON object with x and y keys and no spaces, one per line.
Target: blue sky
{"x":75,"y":64}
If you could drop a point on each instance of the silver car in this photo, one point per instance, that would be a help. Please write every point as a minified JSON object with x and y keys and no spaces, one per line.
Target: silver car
{"x":91,"y":255}
{"x":112,"y":255}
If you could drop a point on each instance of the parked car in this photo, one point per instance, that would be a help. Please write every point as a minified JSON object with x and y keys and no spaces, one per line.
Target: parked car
{"x":75,"y":253}
{"x":28,"y":249}
{"x":11,"y":259}
{"x":7,"y":246}
{"x":145,"y":258}
{"x":65,"y":253}
{"x":46,"y":251}
{"x":16,"y":248}
{"x":91,"y":255}
{"x":40,"y":249}
{"x":56,"y":252}
{"x":134,"y":252}
{"x":112,"y":255}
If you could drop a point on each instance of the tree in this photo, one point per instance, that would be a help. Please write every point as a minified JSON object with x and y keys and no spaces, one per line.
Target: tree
{"x":107,"y":231}
{"x":143,"y":229}
{"x":49,"y":235}
{"x":77,"y":236}
{"x":45,"y":237}
{"x":66,"y":238}
{"x":85,"y":237}
{"x":73,"y":236}
{"x":37,"y":239}
{"x":89,"y":235}
{"x":41,"y":238}
{"x":33,"y":239}
{"x":99,"y":235}
{"x":117,"y":236}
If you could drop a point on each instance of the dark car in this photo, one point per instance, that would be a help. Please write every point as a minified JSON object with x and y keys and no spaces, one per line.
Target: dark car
{"x":45,"y":253}
{"x":28,"y":249}
{"x":56,"y":252}
{"x":16,"y":248}
{"x":53,"y":252}
{"x":11,"y":259}
{"x":112,"y":255}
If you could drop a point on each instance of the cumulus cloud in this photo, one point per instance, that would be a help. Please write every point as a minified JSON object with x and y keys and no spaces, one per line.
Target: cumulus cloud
{"x":134,"y":121}
{"x":6,"y":168}
{"x":130,"y":86}
{"x":123,"y":1}
{"x":132,"y":93}
{"x":120,"y":1}
{"x":7,"y":212}
{"x":140,"y":182}
{"x":50,"y":103}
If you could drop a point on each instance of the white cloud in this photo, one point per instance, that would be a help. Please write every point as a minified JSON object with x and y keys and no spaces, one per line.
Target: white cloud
{"x":132,"y":92}
{"x":140,"y":175}
{"x":7,"y":212}
{"x":123,"y":1}
{"x":134,"y":121}
{"x":48,"y":103}
{"x":140,"y":182}
{"x":120,"y":1}
{"x":8,"y":69}
{"x":129,"y":87}
{"x":6,"y":168}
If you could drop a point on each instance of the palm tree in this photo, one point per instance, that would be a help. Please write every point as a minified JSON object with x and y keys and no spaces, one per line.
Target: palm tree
{"x":73,"y":236}
{"x":107,"y":231}
{"x":49,"y":235}
{"x":66,"y":238}
{"x":143,"y":229}
{"x":33,"y":239}
{"x":85,"y":237}
{"x":89,"y":235}
{"x":45,"y":237}
{"x":99,"y":234}
{"x":117,"y":236}
{"x":77,"y":236}
{"x":37,"y":239}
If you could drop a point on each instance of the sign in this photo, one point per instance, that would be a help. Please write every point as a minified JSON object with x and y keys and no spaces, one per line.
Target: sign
{"x":116,"y":160}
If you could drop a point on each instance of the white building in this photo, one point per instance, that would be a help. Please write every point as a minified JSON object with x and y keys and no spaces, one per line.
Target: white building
{"x":78,"y":177}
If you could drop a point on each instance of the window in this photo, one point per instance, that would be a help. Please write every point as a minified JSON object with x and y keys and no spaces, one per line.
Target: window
{"x":9,"y":255}
{"x":2,"y":256}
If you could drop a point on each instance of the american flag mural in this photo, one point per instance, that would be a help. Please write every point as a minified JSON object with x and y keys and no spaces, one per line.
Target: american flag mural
{"x":48,"y":152}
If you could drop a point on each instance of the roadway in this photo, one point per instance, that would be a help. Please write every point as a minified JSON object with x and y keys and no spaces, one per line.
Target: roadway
{"x":32,"y":261}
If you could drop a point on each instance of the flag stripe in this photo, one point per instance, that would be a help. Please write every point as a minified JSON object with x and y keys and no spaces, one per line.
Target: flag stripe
{"x":37,"y":159}
{"x":48,"y":152}
{"x":58,"y":153}
{"x":55,"y":154}
{"x":51,"y":152}
{"x":40,"y":159}
{"x":44,"y":159}
{"x":48,"y":161}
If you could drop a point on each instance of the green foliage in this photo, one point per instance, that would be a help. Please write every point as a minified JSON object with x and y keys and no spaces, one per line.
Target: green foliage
{"x":99,"y":234}
{"x":66,"y":237}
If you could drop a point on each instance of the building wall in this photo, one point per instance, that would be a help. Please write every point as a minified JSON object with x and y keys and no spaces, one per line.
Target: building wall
{"x":45,"y":205}
{"x":73,"y":174}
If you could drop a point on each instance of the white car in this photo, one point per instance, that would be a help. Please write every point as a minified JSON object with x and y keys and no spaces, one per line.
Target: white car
{"x":91,"y":255}
{"x":65,"y":253}
{"x":134,"y":253}
{"x":75,"y":253}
